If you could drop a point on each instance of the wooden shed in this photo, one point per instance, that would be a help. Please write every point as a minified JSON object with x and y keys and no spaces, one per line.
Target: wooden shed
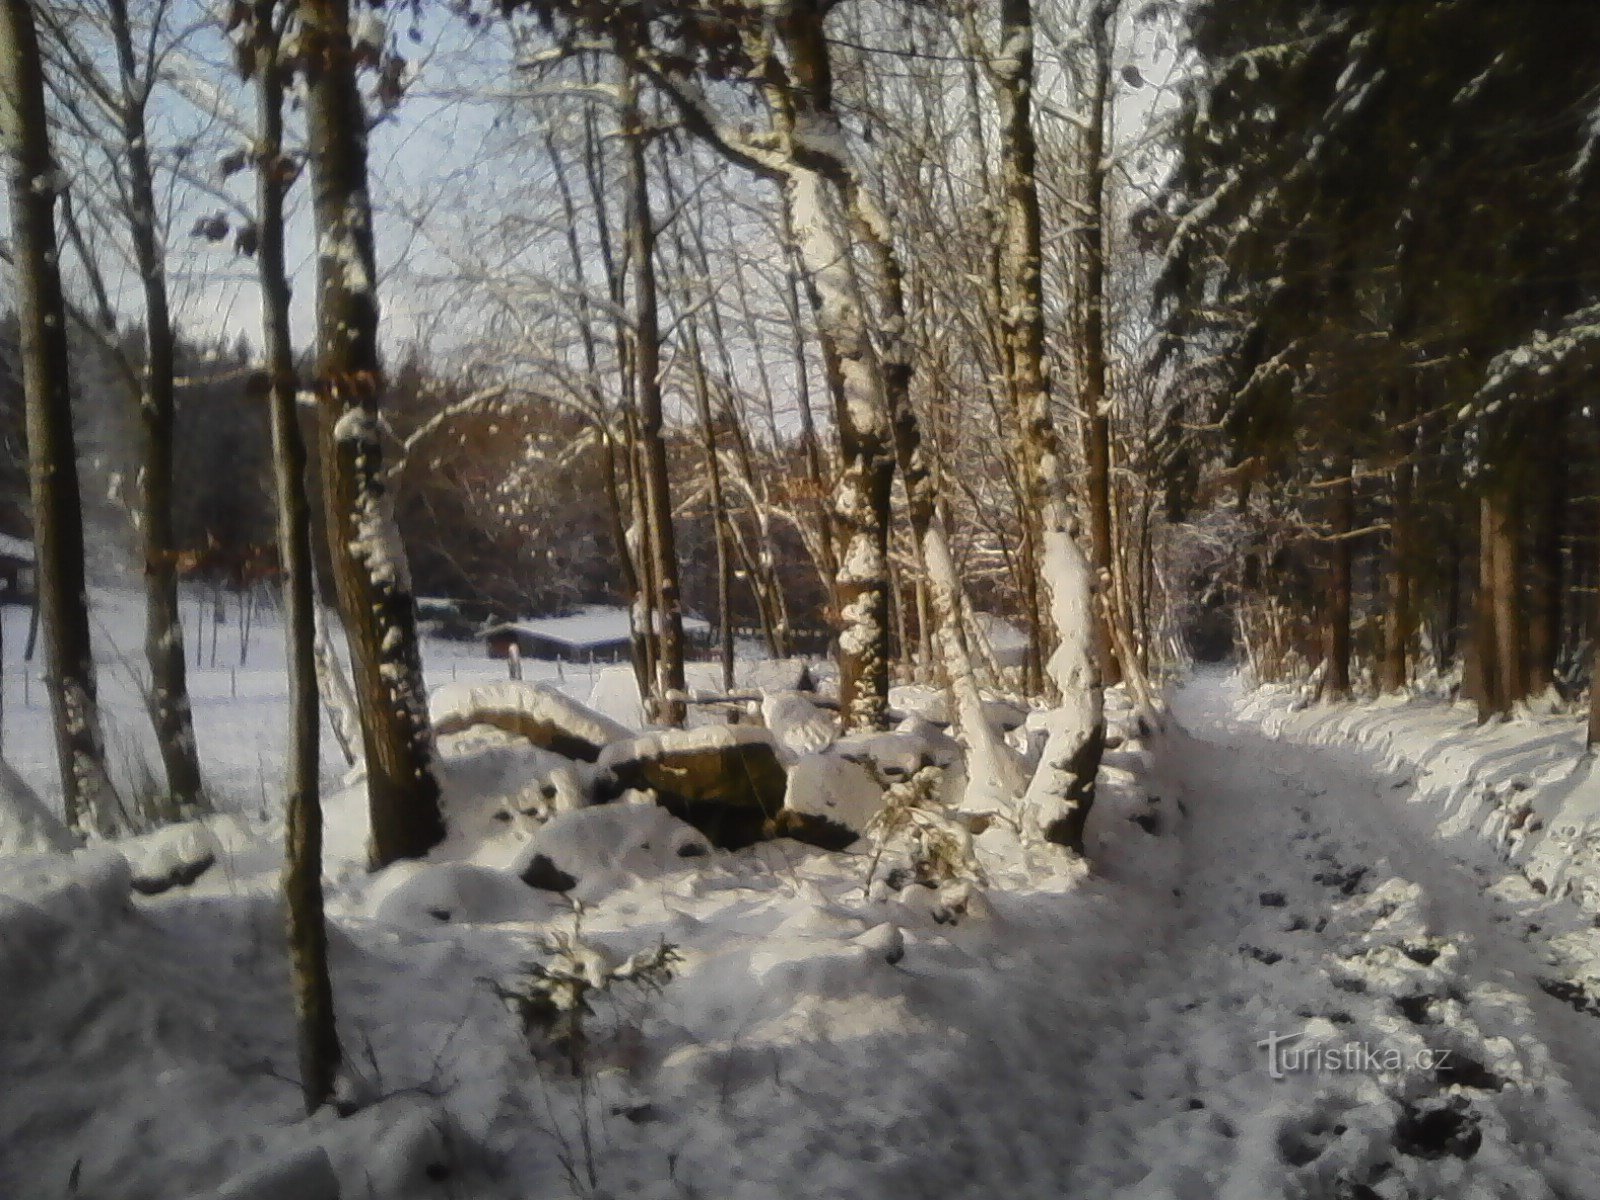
{"x":17,"y":574}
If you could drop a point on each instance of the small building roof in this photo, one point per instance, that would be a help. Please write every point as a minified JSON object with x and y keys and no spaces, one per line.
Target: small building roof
{"x":15,"y":547}
{"x":595,"y":625}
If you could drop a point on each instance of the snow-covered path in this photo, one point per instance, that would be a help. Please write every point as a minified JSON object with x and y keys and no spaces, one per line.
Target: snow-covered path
{"x":1419,"y":1055}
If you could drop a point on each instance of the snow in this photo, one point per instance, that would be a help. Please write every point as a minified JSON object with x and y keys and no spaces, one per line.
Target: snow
{"x":616,"y":687}
{"x":591,"y":626}
{"x":614,"y":846}
{"x":455,"y":704}
{"x":836,"y":788}
{"x":873,"y":1022}
{"x":25,"y":823}
{"x":684,"y":741}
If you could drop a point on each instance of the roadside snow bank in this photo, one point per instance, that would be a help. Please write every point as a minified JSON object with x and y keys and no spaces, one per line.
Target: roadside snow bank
{"x":1524,"y":786}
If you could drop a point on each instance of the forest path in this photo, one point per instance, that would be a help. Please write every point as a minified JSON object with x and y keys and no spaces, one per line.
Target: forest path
{"x":1344,"y":1005}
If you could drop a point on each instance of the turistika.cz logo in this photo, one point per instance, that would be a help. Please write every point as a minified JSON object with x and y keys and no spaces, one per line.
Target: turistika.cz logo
{"x":1285,"y":1058}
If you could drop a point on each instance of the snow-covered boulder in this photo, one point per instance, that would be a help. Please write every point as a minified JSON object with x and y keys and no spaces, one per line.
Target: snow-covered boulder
{"x":589,"y":853}
{"x":416,"y":894}
{"x":900,"y":753}
{"x":728,"y":781}
{"x":544,"y":716}
{"x":830,"y":801}
{"x":26,"y":825}
{"x":177,"y":855}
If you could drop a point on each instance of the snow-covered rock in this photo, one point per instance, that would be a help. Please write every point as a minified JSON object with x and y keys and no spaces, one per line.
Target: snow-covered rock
{"x":413,"y":894}
{"x":544,"y":716}
{"x":727,"y":781}
{"x":592,"y":852}
{"x":830,"y":801}
{"x":177,"y":855}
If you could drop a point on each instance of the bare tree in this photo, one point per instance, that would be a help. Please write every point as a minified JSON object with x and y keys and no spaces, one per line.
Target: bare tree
{"x":91,"y":803}
{"x":302,"y":874}
{"x":127,"y":151}
{"x":1062,"y":790}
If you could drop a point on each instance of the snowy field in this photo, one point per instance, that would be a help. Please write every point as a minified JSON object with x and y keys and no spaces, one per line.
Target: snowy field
{"x":1265,"y":895}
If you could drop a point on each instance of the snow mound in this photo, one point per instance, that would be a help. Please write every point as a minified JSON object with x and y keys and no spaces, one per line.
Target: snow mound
{"x":548,"y":718}
{"x":616,"y":689}
{"x":595,"y":851}
{"x":26,"y":825}
{"x":46,"y":897}
{"x":418,"y":894}
{"x":177,"y":855}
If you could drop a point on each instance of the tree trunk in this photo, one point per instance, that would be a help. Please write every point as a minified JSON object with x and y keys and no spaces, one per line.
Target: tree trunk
{"x":370,"y":572}
{"x":862,"y":491}
{"x":90,"y":803}
{"x":994,"y":778}
{"x":1395,"y":672}
{"x":719,"y":504}
{"x":1063,"y":788}
{"x":302,"y":873}
{"x":668,"y":691}
{"x":1336,"y":683}
{"x":1509,"y":634}
{"x":1545,"y":613}
{"x":1480,"y":680}
{"x":1091,"y":250}
{"x":168,"y":697}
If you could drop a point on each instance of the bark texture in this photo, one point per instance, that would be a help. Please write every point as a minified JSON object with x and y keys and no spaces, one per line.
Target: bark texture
{"x":666,"y":695}
{"x":168,"y":695}
{"x":1062,"y":790}
{"x":318,"y":1037}
{"x":369,"y":566}
{"x":90,"y":802}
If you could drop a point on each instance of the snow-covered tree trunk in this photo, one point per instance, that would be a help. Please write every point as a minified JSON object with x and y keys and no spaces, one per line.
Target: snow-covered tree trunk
{"x":369,"y":565}
{"x":862,"y":490}
{"x":1061,"y":793}
{"x":318,"y":1038}
{"x":814,"y":169}
{"x":90,"y":802}
{"x":168,"y":696}
{"x":994,"y":775}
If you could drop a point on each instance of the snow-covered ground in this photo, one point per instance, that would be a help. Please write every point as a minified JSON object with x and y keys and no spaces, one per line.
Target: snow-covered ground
{"x":831,"y":1027}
